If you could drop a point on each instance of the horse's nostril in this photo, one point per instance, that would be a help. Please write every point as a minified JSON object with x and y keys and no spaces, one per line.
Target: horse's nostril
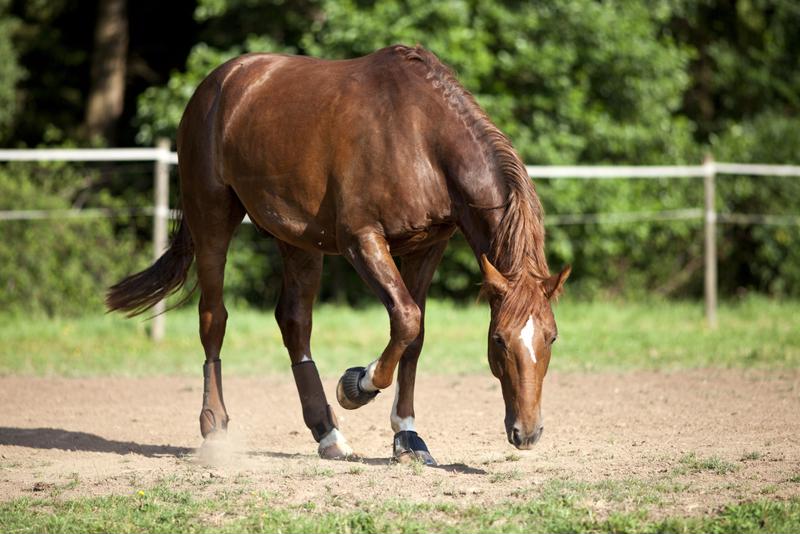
{"x":515,"y":436}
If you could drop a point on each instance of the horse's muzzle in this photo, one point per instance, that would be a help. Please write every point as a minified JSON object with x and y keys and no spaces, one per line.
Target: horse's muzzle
{"x":522,"y":441}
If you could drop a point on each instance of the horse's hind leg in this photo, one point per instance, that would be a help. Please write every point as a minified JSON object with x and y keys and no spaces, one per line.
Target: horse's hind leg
{"x":212,"y":227}
{"x":301,"y":278}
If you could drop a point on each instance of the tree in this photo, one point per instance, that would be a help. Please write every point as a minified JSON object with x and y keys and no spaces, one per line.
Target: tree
{"x":109,"y":61}
{"x":10,"y":71}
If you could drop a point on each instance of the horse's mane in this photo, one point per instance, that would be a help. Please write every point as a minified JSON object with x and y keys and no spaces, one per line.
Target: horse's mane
{"x":517,"y":248}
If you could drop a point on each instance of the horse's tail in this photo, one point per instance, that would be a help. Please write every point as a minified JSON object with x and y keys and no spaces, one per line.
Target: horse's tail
{"x":141,"y":291}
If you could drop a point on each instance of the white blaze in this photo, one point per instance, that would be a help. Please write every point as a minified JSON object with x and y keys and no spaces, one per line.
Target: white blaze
{"x":526,"y":336}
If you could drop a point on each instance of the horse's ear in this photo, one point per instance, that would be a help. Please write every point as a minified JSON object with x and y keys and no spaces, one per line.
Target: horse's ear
{"x":494,"y":283}
{"x":554,"y":285}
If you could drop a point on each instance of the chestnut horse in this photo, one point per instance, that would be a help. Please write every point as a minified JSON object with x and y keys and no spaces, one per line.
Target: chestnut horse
{"x":380,"y":156}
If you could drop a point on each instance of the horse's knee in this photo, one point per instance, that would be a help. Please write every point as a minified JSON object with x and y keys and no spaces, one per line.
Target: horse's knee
{"x":406,"y":323}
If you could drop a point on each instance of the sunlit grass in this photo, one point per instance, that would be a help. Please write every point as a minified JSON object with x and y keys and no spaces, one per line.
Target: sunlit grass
{"x":556,"y":509}
{"x":755,"y":332}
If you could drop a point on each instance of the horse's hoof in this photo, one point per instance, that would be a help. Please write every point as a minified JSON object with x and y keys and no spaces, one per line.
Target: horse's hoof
{"x":336,"y":452}
{"x":349,"y":392}
{"x":409,"y":447}
{"x":335,"y":447}
{"x":210,"y":425}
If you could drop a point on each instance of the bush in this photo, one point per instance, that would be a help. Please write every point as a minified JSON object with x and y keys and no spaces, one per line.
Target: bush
{"x":59,"y":266}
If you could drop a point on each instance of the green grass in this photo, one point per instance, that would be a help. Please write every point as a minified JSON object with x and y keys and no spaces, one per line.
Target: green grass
{"x":755,"y":332}
{"x":691,"y":463}
{"x":164,"y":510}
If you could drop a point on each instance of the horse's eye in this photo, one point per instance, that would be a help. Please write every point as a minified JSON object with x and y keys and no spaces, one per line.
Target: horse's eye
{"x":499,"y":341}
{"x":554,"y":339}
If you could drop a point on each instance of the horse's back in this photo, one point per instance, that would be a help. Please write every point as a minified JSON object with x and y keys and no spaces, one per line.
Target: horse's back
{"x":302,"y":140}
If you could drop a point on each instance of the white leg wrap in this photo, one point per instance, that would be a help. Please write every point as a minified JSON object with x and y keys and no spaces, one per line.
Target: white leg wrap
{"x":400,"y":423}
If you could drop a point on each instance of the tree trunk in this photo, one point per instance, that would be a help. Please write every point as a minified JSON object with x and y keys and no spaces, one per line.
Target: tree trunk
{"x":109,"y":59}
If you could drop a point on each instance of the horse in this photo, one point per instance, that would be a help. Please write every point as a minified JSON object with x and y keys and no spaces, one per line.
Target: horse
{"x":369,"y":158}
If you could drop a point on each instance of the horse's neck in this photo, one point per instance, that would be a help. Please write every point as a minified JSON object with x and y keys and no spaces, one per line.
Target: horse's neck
{"x":481,"y":195}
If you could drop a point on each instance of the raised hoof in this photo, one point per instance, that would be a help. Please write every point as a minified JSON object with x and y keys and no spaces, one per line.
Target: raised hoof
{"x":209,"y":428}
{"x":409,"y":447}
{"x":349,"y":392}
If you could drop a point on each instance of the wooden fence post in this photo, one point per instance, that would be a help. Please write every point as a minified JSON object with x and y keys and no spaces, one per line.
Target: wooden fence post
{"x":709,"y":174}
{"x":160,"y":220}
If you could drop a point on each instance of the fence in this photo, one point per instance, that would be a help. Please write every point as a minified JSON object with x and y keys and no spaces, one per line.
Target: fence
{"x":163,"y":158}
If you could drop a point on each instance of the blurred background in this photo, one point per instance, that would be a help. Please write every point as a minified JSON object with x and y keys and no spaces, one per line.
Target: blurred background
{"x":571,"y":82}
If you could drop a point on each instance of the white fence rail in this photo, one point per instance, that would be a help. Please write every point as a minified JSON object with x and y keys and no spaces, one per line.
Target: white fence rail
{"x":162,"y":158}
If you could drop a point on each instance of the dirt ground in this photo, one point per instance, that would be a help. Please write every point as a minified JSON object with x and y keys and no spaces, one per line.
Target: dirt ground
{"x":631,"y":433}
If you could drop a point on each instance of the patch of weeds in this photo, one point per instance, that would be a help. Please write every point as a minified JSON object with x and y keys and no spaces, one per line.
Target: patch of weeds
{"x":510,"y":457}
{"x":74,"y":482}
{"x":768,"y":489}
{"x":714,"y":464}
{"x":415,"y":467}
{"x":242,"y":479}
{"x":794,"y":478}
{"x":638,"y":492}
{"x":753,"y":455}
{"x":55,"y":490}
{"x":316,"y":471}
{"x":309,"y":506}
{"x":505,"y":476}
{"x":355,"y":470}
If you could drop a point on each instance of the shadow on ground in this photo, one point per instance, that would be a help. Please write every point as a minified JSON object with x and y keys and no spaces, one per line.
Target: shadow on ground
{"x":68,"y":440}
{"x":452,"y":468}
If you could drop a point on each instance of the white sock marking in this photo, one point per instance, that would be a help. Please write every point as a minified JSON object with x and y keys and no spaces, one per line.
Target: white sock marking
{"x":526,"y":336}
{"x":400,"y":423}
{"x":366,"y":382}
{"x":334,"y":437}
{"x":305,"y":358}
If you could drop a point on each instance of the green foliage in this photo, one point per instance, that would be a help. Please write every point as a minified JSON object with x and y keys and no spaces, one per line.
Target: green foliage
{"x":567,"y":81}
{"x":571,"y":82}
{"x":769,"y":253}
{"x":57,"y":266}
{"x":10,"y":71}
{"x":160,"y":108}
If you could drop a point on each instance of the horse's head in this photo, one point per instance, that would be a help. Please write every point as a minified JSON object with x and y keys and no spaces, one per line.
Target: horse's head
{"x":521,"y":336}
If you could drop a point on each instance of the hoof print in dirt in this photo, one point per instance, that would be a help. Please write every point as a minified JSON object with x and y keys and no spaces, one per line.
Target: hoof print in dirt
{"x":349,"y":392}
{"x":409,"y":447}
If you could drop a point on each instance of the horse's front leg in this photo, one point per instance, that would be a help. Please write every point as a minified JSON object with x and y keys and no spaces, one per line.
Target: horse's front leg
{"x":417,"y":271}
{"x":369,"y":254}
{"x":301,"y":278}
